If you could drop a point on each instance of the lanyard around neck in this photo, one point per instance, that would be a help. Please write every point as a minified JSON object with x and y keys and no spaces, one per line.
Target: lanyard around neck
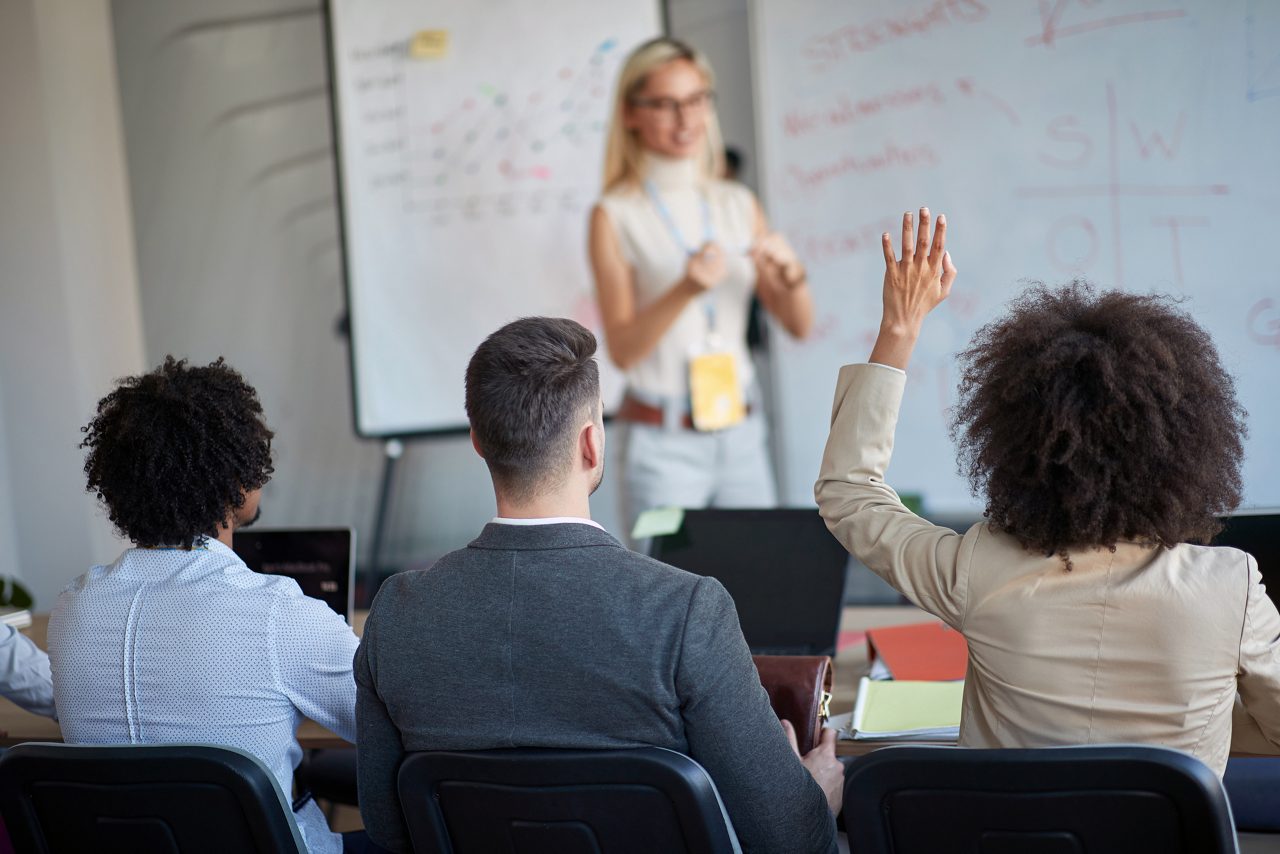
{"x":664,"y":213}
{"x":708,"y":236}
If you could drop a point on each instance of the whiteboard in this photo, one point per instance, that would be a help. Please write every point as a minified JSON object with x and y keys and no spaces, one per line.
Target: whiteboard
{"x":471,"y":138}
{"x":1130,"y":142}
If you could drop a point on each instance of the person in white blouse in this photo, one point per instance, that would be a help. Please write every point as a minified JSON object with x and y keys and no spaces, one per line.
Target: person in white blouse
{"x":677,"y":254}
{"x":177,"y":640}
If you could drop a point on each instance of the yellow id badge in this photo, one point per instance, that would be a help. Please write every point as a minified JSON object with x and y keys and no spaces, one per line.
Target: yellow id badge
{"x":715,"y":393}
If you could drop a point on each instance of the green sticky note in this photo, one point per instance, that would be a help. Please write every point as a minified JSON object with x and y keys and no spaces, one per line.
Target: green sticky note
{"x":658,"y":523}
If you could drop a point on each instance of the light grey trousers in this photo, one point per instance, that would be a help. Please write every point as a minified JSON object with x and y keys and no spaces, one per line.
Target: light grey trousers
{"x":678,"y":467}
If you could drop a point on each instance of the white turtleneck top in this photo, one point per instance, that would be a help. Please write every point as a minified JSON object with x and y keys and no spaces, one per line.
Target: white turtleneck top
{"x":658,"y":261}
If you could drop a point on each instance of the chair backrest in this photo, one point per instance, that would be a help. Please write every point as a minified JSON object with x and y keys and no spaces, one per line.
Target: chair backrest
{"x":533,"y":801}
{"x":1069,"y":800}
{"x":1253,"y":788}
{"x":160,"y":799}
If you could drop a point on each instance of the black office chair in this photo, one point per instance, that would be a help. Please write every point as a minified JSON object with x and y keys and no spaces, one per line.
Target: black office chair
{"x":532,"y":801}
{"x":1113,"y":799}
{"x":1253,"y":788}
{"x":329,"y":774}
{"x":171,"y":799}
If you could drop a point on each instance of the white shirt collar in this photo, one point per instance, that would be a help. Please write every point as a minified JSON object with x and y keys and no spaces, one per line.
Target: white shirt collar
{"x":547,"y":520}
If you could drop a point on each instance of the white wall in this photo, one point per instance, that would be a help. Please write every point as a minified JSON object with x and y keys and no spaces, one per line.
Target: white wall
{"x":69,"y":321}
{"x":720,"y":29}
{"x":9,"y":563}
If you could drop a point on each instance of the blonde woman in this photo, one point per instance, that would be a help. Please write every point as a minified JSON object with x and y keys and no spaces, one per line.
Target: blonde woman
{"x":677,"y":254}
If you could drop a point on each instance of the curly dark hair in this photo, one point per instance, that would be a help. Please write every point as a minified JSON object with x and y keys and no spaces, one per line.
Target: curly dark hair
{"x":1088,"y":419}
{"x":172,"y":452}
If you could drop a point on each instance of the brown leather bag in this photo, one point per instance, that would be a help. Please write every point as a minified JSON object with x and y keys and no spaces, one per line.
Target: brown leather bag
{"x":799,"y":689}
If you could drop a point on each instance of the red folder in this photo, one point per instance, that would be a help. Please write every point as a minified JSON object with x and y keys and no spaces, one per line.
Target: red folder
{"x":930,"y":652}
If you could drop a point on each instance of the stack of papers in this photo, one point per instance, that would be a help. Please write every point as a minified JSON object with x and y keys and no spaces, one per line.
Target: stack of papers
{"x":906,"y":711}
{"x":19,"y":618}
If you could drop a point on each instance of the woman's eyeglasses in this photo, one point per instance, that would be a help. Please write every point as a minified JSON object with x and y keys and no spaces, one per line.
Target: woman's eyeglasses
{"x":672,"y":108}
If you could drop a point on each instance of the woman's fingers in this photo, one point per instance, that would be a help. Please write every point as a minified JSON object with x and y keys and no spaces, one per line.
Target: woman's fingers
{"x":922,"y":239}
{"x":948,"y":271}
{"x":886,"y":243}
{"x":939,"y":240}
{"x":908,"y":237}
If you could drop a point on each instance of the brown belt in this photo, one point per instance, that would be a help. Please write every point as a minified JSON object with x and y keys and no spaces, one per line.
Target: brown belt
{"x":642,"y":413}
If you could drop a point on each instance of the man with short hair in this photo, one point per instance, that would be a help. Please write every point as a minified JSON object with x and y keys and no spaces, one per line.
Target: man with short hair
{"x":177,"y":640}
{"x":546,"y":632}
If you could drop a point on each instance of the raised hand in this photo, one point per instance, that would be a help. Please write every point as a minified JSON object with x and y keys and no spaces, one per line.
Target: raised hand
{"x":706,"y":268}
{"x":914,"y":285}
{"x":921,"y":279}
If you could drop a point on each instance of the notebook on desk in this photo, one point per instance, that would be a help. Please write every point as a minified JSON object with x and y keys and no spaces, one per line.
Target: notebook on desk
{"x":321,"y":560}
{"x":1258,"y":533}
{"x":783,"y":568}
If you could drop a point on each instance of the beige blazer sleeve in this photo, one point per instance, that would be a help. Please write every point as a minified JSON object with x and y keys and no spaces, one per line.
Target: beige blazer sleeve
{"x":1256,"y":727}
{"x":923,"y":561}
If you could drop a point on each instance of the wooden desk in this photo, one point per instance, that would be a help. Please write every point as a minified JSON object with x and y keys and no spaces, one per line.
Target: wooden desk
{"x":17,"y":726}
{"x":852,"y":664}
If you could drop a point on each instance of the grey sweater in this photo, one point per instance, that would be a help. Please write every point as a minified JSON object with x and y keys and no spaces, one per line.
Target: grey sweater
{"x":557,"y":636}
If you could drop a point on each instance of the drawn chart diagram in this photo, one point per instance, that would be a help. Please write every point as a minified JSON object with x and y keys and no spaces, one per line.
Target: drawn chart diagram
{"x":471,"y":138}
{"x":1161,"y":143}
{"x":1124,"y":142}
{"x":505,"y":149}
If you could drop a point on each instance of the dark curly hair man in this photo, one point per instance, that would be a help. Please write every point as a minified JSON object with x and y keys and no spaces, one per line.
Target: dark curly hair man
{"x":180,"y":454}
{"x":1105,"y":438}
{"x":177,"y":640}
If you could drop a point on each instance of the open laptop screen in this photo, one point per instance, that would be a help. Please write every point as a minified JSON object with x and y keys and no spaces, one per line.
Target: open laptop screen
{"x":1259,"y":535}
{"x":321,"y":560}
{"x":783,"y":568}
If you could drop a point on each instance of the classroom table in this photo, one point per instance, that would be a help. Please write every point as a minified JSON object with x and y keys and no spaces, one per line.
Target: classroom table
{"x":17,"y":725}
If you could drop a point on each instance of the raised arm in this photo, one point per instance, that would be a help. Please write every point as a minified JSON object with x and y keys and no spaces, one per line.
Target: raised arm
{"x":781,"y":280}
{"x":914,"y":285}
{"x":630,"y":332}
{"x":916,"y":557}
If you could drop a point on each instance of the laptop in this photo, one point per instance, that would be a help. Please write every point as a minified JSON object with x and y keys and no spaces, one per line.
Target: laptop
{"x":321,"y":560}
{"x":783,"y":568}
{"x":1258,"y":533}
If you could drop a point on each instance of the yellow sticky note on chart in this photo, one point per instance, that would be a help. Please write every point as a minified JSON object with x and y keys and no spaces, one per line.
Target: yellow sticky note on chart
{"x":429,"y":44}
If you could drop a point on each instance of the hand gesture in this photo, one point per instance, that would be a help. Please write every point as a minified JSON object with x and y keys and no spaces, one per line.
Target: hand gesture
{"x":706,"y":268}
{"x":822,"y":765}
{"x":776,"y":262}
{"x":915,"y":285}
